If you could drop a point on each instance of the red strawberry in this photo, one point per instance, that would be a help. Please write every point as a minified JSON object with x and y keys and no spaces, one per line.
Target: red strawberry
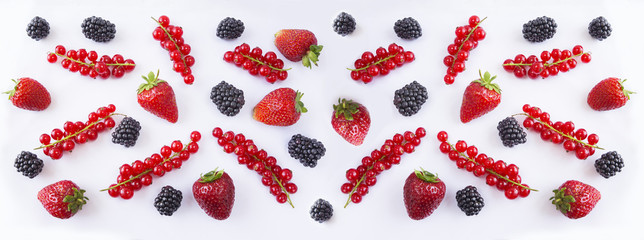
{"x":29,"y":94}
{"x":480,"y":97}
{"x":215,"y":194}
{"x":608,"y":94}
{"x":575,"y":199}
{"x":62,"y":199}
{"x":351,"y":120}
{"x":281,"y":107}
{"x":423,"y":192}
{"x":298,"y":44}
{"x":157,"y":97}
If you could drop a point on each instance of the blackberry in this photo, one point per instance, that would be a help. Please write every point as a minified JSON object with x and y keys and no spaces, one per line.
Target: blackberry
{"x":609,"y":164}
{"x":408,"y":28}
{"x":230,"y":28}
{"x":409,"y":99}
{"x":127,"y":132}
{"x":321,"y":211}
{"x":344,"y":24}
{"x":539,"y":29}
{"x":229,"y":100}
{"x":28,"y":164}
{"x":599,"y":28}
{"x":305,"y":149}
{"x":98,"y":29}
{"x":38,"y":28}
{"x":168,"y":200}
{"x":511,"y":132}
{"x":469,"y":200}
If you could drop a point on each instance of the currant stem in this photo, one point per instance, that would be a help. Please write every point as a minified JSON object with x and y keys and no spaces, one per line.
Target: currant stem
{"x":559,"y":132}
{"x":547,"y":64}
{"x":288,"y":197}
{"x":93,"y":65}
{"x":262,"y":63}
{"x":173,"y":41}
{"x":467,"y":38}
{"x":82,"y":130}
{"x":376,"y":63}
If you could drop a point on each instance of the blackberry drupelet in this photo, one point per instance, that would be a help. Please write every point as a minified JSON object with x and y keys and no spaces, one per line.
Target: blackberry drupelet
{"x":609,"y":164}
{"x":409,"y":99}
{"x":127,"y":132}
{"x":539,"y":29}
{"x":28,"y":164}
{"x":408,"y":28}
{"x":511,"y":132}
{"x":599,"y":28}
{"x":305,"y":149}
{"x":344,"y":24}
{"x":38,"y":28}
{"x":98,"y":29}
{"x":228,"y":99}
{"x":469,"y":200}
{"x":321,"y":211}
{"x":230,"y":28}
{"x":168,"y":200}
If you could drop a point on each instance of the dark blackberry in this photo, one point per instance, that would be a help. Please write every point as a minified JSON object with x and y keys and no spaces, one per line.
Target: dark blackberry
{"x":28,"y":164}
{"x":230,"y":28}
{"x":229,"y":100}
{"x":305,"y":149}
{"x":409,"y":99}
{"x":168,"y":200}
{"x":321,"y":211}
{"x":38,"y":28}
{"x":539,"y":29}
{"x":469,"y":200}
{"x":599,"y":28}
{"x":408,"y":28}
{"x":98,"y":29}
{"x":127,"y":132}
{"x":511,"y":132}
{"x":609,"y":164}
{"x":344,"y":24}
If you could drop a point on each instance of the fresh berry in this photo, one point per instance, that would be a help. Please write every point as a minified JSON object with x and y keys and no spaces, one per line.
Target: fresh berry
{"x":344,"y":24}
{"x":321,"y":211}
{"x":252,"y":60}
{"x":408,"y":28}
{"x":168,"y":200}
{"x":28,"y":164}
{"x":171,"y":39}
{"x":609,"y":164}
{"x":511,"y":132}
{"x":307,"y":150}
{"x":469,"y":200}
{"x":62,"y":199}
{"x":29,"y":94}
{"x":127,"y":132}
{"x":480,"y":97}
{"x":423,"y":193}
{"x":38,"y":28}
{"x":599,"y":28}
{"x":539,"y":29}
{"x":228,"y":99}
{"x":409,"y":99}
{"x":215,"y":194}
{"x":230,"y":28}
{"x":298,"y":45}
{"x":157,"y":97}
{"x":385,"y":60}
{"x":549,"y":63}
{"x":351,"y":120}
{"x":88,"y":63}
{"x":281,"y":107}
{"x":98,"y":29}
{"x":575,"y":199}
{"x":608,"y":94}
{"x":467,"y":38}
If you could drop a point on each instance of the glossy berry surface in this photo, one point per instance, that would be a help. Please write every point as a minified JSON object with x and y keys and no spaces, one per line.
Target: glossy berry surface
{"x":371,"y":65}
{"x":171,"y":39}
{"x":467,"y":39}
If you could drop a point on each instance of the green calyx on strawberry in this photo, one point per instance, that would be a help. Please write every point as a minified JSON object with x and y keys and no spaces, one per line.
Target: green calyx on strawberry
{"x":157,"y":97}
{"x":426,"y":176}
{"x":480,"y":97}
{"x":76,"y":201}
{"x":62,"y":199}
{"x":281,"y":107}
{"x":29,"y":94}
{"x":351,"y":120}
{"x":608,"y":94}
{"x":211,"y":176}
{"x":575,"y":199}
{"x":422,"y":194}
{"x":298,"y":45}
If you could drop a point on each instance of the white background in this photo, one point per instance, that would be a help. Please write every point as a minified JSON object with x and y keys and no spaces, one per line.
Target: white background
{"x":256,"y":214}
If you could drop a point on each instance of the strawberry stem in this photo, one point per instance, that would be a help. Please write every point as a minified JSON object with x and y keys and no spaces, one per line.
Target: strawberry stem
{"x":79,"y":132}
{"x":173,"y":41}
{"x":376,"y":63}
{"x":263,"y":63}
{"x":467,"y":38}
{"x":559,"y":132}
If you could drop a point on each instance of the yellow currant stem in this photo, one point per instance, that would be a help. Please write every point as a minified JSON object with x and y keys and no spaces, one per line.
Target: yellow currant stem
{"x":80,"y":131}
{"x":93,"y":65}
{"x":173,"y":41}
{"x":467,"y":38}
{"x":262,"y":63}
{"x":376,"y":63}
{"x":547,"y":64}
{"x":559,"y":132}
{"x":288,"y":197}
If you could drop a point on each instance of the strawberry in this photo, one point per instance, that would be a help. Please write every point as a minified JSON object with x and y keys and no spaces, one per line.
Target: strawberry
{"x":351,"y":120}
{"x":281,"y":107}
{"x":29,"y":94}
{"x":608,"y":94}
{"x":157,"y":97}
{"x":480,"y":97}
{"x":215,"y":194}
{"x":62,"y":199}
{"x":298,"y":44}
{"x":575,"y":199}
{"x":422,"y":193}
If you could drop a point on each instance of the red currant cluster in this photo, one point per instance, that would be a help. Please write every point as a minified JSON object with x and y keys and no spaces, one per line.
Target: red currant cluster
{"x":551,"y":63}
{"x":560,"y":132}
{"x":268,"y":65}
{"x":273,"y":176}
{"x":77,"y":132}
{"x":133,"y":177}
{"x":89,"y":64}
{"x":467,"y":38}
{"x":504,"y":176}
{"x":369,"y":66}
{"x":364,"y":176}
{"x":170,"y":38}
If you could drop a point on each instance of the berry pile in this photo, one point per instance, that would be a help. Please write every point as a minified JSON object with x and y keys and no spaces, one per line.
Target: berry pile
{"x":344,"y":24}
{"x":273,"y":176}
{"x":369,"y":65}
{"x":77,"y":132}
{"x":549,"y":63}
{"x":168,"y":200}
{"x":38,"y":28}
{"x":467,"y":38}
{"x":228,"y":99}
{"x":539,"y":29}
{"x":267,"y":65}
{"x":138,"y":174}
{"x":599,"y":28}
{"x":504,"y":176}
{"x":364,"y":176}
{"x":560,"y":132}
{"x":307,"y":150}
{"x":89,"y":64}
{"x":230,"y":28}
{"x":127,"y":132}
{"x":98,"y":29}
{"x":28,"y":164}
{"x":409,"y":99}
{"x":171,"y":38}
